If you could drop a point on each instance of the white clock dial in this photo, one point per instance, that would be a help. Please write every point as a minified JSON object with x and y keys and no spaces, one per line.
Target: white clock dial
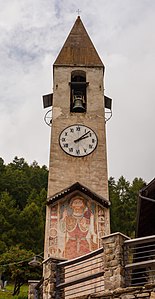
{"x":78,"y":140}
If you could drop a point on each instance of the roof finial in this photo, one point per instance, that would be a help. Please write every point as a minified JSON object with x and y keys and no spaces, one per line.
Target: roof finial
{"x":78,"y":11}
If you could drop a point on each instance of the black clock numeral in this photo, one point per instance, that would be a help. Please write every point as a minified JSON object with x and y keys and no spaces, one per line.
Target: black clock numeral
{"x":66,"y":133}
{"x":65,"y":144}
{"x":93,"y":140}
{"x":90,"y":134}
{"x":90,"y":146}
{"x":85,"y":150}
{"x":71,"y":130}
{"x":78,"y":128}
{"x":63,"y":139}
{"x":78,"y":152}
{"x":70,"y":149}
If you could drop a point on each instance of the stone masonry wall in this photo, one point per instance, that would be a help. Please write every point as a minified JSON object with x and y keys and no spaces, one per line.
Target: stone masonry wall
{"x":65,"y":170}
{"x":145,"y":292}
{"x":32,"y":293}
{"x":51,"y":274}
{"x":113,"y":261}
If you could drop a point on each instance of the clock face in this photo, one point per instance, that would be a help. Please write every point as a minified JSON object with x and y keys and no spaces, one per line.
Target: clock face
{"x":78,"y":140}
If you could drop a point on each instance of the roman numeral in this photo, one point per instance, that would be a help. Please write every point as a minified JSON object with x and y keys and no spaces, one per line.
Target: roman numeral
{"x":78,"y":152}
{"x":70,"y":149}
{"x":65,"y":144}
{"x":63,"y":139}
{"x":71,"y":130}
{"x":66,"y":133}
{"x":90,"y":146}
{"x":85,"y":150}
{"x":77,"y":128}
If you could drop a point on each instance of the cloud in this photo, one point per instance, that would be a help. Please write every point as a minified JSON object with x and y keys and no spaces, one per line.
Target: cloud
{"x":32,"y":34}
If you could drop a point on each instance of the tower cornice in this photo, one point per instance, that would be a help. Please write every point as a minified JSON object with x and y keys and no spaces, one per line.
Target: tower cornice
{"x":78,"y":187}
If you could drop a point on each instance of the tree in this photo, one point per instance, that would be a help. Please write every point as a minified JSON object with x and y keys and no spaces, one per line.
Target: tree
{"x":38,"y":176}
{"x":9,"y":216}
{"x":14,"y":264}
{"x":23,"y":193}
{"x":2,"y":172}
{"x":16,"y":183}
{"x":31,"y":228}
{"x":123,"y":197}
{"x":19,"y":179}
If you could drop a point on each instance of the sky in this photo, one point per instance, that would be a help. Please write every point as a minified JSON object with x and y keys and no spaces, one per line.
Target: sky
{"x":123,"y":32}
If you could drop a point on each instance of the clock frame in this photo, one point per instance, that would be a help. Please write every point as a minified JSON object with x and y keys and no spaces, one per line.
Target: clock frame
{"x":78,"y":140}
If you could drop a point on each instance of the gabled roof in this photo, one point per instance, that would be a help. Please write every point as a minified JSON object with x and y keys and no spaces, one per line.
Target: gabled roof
{"x":78,"y":187}
{"x":146,"y":211}
{"x":78,"y":49}
{"x":149,"y":188}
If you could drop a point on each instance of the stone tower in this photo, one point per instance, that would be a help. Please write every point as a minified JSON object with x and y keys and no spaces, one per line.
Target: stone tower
{"x":77,"y":212}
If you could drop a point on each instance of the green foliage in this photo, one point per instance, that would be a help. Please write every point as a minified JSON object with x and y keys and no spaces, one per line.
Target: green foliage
{"x":32,"y":227}
{"x":14,"y":266}
{"x":19,"y":179}
{"x":123,"y":197}
{"x":8,"y":221}
{"x":23,"y":193}
{"x":21,"y":297}
{"x":7,"y":294}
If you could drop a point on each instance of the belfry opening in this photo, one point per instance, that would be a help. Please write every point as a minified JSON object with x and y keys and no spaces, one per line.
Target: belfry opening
{"x":78,"y":99}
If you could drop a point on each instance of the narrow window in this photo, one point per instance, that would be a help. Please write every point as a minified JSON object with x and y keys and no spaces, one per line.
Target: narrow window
{"x":78,"y":99}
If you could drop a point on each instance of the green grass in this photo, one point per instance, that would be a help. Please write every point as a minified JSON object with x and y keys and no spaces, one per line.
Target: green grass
{"x":7,"y":294}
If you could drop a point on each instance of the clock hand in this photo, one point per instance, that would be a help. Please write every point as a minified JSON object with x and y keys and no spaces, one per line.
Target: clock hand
{"x":82,"y":137}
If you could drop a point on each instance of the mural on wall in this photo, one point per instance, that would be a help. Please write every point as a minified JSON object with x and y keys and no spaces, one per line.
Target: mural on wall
{"x":53,"y":239}
{"x":74,"y":227}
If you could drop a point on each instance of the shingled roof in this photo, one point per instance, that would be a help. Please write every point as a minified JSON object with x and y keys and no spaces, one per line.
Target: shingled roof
{"x":146,"y":211}
{"x":83,"y":189}
{"x":78,"y":49}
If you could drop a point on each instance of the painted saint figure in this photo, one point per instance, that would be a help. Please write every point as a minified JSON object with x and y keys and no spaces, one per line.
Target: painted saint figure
{"x":77,"y":223}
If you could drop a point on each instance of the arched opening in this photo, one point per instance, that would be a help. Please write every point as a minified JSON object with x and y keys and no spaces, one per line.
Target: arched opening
{"x":78,"y":99}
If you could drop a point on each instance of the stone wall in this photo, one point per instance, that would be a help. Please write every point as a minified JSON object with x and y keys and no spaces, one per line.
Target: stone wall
{"x":65,"y":170}
{"x":113,"y":261}
{"x":32,"y":292}
{"x":51,"y":275}
{"x":144,"y":292}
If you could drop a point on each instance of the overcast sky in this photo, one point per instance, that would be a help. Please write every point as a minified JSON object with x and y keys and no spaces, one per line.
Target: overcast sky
{"x":32,"y":33}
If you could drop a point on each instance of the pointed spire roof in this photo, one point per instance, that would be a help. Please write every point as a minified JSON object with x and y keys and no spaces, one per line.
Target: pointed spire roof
{"x":78,"y":49}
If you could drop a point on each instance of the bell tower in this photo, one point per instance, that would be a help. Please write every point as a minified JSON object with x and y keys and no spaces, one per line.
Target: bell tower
{"x":77,"y":212}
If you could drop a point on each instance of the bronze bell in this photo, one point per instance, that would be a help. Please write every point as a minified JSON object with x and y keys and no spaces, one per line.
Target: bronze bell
{"x":78,"y":104}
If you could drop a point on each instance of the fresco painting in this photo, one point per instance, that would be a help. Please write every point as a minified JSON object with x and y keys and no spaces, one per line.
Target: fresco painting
{"x":74,"y":229}
{"x":53,"y":238}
